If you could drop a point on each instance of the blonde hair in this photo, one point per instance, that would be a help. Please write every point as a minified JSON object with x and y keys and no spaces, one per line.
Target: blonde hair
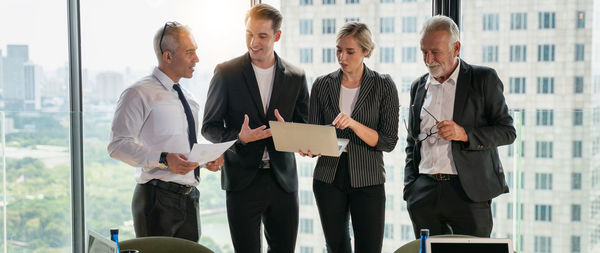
{"x":361,"y":33}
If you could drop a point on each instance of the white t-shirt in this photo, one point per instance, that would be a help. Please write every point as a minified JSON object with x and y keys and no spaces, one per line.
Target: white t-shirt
{"x":348,"y":99}
{"x":265,"y":78}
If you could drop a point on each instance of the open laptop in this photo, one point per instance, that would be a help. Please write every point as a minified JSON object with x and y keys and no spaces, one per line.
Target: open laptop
{"x":99,"y":244}
{"x":292,"y":137}
{"x":468,"y":245}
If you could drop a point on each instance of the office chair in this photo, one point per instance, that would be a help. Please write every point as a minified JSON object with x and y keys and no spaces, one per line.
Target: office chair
{"x":163,"y":244}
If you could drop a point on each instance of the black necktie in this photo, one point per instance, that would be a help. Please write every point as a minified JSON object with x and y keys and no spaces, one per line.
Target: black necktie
{"x":191,"y":123}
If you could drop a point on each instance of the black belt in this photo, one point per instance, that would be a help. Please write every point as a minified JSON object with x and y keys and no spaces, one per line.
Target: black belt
{"x":441,"y":177}
{"x":264,"y":164}
{"x":172,"y":187}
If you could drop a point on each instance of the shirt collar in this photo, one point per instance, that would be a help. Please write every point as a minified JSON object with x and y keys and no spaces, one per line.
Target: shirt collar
{"x":451,"y":80}
{"x":163,"y":79}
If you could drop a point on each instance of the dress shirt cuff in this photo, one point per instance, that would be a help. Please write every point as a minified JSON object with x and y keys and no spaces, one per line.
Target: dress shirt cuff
{"x":152,"y":159}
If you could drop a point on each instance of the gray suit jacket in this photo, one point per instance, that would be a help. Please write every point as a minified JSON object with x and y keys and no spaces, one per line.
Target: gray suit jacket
{"x":376,"y":107}
{"x":480,"y":108}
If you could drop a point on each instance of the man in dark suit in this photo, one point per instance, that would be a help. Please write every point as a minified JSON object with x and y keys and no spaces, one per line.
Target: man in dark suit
{"x":457,"y":119}
{"x":244,"y":94}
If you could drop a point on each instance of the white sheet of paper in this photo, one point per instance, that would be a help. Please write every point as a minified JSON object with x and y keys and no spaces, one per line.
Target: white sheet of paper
{"x":203,"y":153}
{"x":97,"y":243}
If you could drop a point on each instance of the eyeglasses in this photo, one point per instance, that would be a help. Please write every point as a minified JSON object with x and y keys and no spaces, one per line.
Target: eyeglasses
{"x":162,"y":35}
{"x":428,"y":133}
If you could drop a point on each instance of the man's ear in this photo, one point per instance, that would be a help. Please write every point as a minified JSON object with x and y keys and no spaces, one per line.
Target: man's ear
{"x":167,"y":56}
{"x":456,"y":48}
{"x":277,"y":35}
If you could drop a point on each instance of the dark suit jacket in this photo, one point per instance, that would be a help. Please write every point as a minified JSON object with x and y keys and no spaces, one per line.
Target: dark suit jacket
{"x":376,"y":107}
{"x":234,"y":92}
{"x":480,"y":108}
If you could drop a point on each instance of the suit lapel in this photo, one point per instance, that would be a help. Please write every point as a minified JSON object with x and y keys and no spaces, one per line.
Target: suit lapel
{"x":252,"y":86}
{"x":462,"y":90}
{"x":279,"y":83}
{"x":418,"y":104}
{"x":334,"y":91}
{"x":365,"y":88}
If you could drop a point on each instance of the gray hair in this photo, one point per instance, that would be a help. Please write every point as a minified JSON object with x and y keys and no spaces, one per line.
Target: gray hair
{"x":170,"y":40}
{"x":441,"y":23}
{"x":361,"y":33}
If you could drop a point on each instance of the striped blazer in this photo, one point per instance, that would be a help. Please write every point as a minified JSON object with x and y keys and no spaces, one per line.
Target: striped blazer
{"x":377,"y":107}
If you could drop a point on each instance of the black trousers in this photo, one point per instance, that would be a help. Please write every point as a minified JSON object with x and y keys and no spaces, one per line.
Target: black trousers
{"x":159,"y":212}
{"x":338,"y":201}
{"x":263,"y":201}
{"x":443,"y":208}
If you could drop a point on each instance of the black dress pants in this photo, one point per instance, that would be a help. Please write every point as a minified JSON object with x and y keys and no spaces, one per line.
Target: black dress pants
{"x":263,"y":201}
{"x":337,"y":202}
{"x":443,"y":207}
{"x":165,"y":212}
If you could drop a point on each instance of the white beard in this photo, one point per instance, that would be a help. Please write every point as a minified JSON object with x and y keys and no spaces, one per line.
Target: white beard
{"x":435,"y":69}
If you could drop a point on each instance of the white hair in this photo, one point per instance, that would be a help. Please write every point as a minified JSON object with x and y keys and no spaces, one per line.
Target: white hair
{"x":441,"y":23}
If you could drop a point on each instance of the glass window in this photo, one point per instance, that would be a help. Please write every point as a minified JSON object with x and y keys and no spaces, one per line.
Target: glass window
{"x":328,"y":55}
{"x":546,"y":20}
{"x":306,"y":26}
{"x":543,"y":212}
{"x":579,"y":52}
{"x":490,"y":21}
{"x":306,"y":226}
{"x":407,"y":233}
{"x":329,"y":26}
{"x":388,"y":231}
{"x":518,"y":53}
{"x":544,"y":117}
{"x":517,"y":85}
{"x":328,"y":2}
{"x":386,"y":55}
{"x":575,"y":244}
{"x":575,"y":212}
{"x":490,"y":53}
{"x":306,"y":197}
{"x":306,"y":2}
{"x":577,"y":117}
{"x":543,"y":181}
{"x":406,"y":83}
{"x":354,"y":19}
{"x":545,"y":85}
{"x":577,"y":149}
{"x":543,"y":244}
{"x":578,"y":85}
{"x":389,"y":202}
{"x":521,"y":113}
{"x":575,"y":181}
{"x":352,"y":1}
{"x":543,"y":149}
{"x":387,"y":1}
{"x":304,"y":249}
{"x":518,"y":21}
{"x":580,"y":23}
{"x":546,"y":52}
{"x":409,"y":24}
{"x":409,"y":54}
{"x":306,"y":55}
{"x":387,"y":25}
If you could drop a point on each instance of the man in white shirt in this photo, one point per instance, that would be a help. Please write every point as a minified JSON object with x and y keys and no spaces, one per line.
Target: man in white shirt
{"x":457,"y":119}
{"x":245,"y":94}
{"x":154,"y":126}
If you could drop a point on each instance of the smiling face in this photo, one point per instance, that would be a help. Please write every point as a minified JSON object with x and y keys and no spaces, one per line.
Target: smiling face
{"x":260,"y":40}
{"x":350,"y":54}
{"x":438,"y":57}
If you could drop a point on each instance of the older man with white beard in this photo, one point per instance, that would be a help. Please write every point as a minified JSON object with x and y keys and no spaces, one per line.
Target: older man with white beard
{"x":458,"y":117}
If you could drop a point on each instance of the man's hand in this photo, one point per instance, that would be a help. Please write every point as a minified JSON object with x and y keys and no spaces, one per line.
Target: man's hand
{"x":248,"y":135}
{"x":179,"y":164}
{"x":343,"y":121}
{"x":215,"y":165}
{"x":450,"y":131}
{"x":278,"y":116}
{"x":309,"y":154}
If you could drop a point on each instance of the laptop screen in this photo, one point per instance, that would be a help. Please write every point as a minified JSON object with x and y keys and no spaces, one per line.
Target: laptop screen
{"x":469,"y":245}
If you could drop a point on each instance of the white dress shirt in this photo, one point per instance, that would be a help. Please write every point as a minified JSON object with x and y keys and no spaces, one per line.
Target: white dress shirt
{"x":436,"y":153}
{"x":265,"y":78}
{"x":149,"y":119}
